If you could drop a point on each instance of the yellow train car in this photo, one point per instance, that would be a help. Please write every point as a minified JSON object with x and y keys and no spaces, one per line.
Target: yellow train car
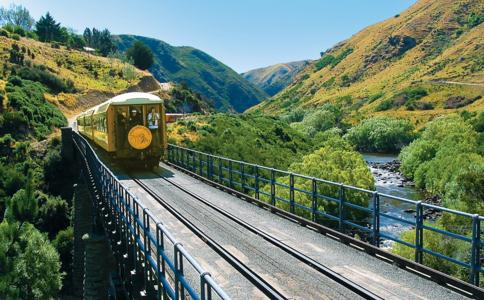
{"x":131,"y":126}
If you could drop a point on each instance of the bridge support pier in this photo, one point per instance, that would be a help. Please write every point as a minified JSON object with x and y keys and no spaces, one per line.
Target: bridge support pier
{"x":98,"y":264}
{"x":67,"y":149}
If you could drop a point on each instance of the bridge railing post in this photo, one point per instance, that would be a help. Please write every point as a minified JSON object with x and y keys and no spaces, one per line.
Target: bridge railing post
{"x":314,"y":199}
{"x":341,"y":211}
{"x":179,"y":289}
{"x":146,"y":248}
{"x":208,"y":167}
{"x":475,"y":250}
{"x":205,"y":289}
{"x":220,"y":171}
{"x":256,"y":181}
{"x":231,"y":175}
{"x":376,"y":219}
{"x":242,"y":176}
{"x":193,"y":166}
{"x":291,"y":192}
{"x":419,"y":233}
{"x":160,"y":261}
{"x":273,"y":187}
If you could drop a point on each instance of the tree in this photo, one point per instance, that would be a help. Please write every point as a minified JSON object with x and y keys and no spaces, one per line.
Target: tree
{"x":47,"y":29}
{"x":87,"y":36}
{"x":381,"y":134}
{"x":141,"y":54}
{"x":100,"y":40}
{"x":17,"y":15}
{"x":30,"y":265}
{"x":335,"y":161}
{"x":105,"y":43}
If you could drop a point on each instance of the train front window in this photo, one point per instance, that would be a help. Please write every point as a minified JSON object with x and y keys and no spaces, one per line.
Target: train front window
{"x":153,"y":117}
{"x":135,"y":115}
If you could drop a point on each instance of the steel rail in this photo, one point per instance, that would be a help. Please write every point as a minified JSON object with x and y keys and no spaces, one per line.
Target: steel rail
{"x":354,"y":287}
{"x":248,"y":273}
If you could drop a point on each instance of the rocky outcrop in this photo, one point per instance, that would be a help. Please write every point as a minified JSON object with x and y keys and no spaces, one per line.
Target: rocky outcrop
{"x":393,"y":47}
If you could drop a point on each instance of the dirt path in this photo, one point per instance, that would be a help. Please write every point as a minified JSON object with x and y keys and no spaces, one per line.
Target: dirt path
{"x":457,"y":83}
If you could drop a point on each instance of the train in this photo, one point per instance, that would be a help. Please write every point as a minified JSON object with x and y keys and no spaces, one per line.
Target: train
{"x":131,"y":127}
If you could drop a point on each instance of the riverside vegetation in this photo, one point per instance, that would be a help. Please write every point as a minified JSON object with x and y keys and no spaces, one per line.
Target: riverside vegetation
{"x":315,"y":126}
{"x":445,"y":158}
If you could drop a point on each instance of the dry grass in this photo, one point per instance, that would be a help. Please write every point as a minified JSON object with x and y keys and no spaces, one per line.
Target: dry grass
{"x":88,"y":72}
{"x":461,"y":60}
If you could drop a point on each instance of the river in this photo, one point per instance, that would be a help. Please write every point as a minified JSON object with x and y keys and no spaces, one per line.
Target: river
{"x":394,"y":184}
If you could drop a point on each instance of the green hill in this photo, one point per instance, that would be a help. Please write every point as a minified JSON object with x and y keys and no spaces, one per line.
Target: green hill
{"x":273,"y":79}
{"x":201,"y":72}
{"x":424,"y":62}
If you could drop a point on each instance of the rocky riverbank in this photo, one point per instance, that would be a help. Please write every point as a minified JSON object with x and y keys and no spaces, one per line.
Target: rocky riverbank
{"x":388,"y":173}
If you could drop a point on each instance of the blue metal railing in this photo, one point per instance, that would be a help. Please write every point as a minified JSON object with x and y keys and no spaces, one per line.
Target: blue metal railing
{"x":345,"y":207}
{"x":146,"y":238}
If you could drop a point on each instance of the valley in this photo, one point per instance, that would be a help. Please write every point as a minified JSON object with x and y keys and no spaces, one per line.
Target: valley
{"x":396,"y":108}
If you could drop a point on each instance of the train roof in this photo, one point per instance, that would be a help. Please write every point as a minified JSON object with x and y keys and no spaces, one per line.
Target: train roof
{"x":133,"y":98}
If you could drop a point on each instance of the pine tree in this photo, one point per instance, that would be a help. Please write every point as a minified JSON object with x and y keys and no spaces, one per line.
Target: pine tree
{"x":141,"y":55}
{"x":47,"y":28}
{"x":88,"y":36}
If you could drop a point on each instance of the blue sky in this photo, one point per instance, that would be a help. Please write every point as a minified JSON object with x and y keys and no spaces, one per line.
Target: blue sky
{"x":242,"y":34}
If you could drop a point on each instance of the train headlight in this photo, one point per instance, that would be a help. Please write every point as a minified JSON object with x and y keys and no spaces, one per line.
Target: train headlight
{"x":139,"y":137}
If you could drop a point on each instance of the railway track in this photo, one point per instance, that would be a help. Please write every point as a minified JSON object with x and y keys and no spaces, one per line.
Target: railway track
{"x":252,"y":276}
{"x":248,"y":273}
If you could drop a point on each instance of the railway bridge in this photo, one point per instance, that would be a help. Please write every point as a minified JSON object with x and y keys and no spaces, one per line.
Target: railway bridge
{"x":202,"y":226}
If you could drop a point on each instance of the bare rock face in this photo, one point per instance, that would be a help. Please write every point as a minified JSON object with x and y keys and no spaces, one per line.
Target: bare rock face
{"x":146,"y":84}
{"x":393,"y":47}
{"x":459,"y":101}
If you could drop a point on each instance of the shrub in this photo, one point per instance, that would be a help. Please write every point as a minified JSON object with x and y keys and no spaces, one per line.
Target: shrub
{"x":374,"y":97}
{"x":296,"y":115}
{"x":3,"y":32}
{"x":384,"y":105}
{"x":273,"y":142}
{"x":15,"y":123}
{"x":32,"y":35}
{"x":446,"y":158}
{"x":326,"y":117}
{"x":64,"y":244}
{"x":15,"y":55}
{"x":54,"y":83}
{"x":381,"y":134}
{"x":8,"y":27}
{"x":438,"y":243}
{"x":325,"y":61}
{"x":351,"y":170}
{"x":27,"y":98}
{"x":53,"y":214}
{"x":19,"y":31}
{"x":15,"y":37}
{"x":328,"y":83}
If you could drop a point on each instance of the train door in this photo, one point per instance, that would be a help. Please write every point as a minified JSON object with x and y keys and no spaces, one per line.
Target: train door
{"x":121,"y":126}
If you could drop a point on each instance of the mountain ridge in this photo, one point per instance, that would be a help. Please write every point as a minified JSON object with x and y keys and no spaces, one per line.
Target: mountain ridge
{"x":201,"y":72}
{"x":391,"y":68}
{"x":272,"y":79}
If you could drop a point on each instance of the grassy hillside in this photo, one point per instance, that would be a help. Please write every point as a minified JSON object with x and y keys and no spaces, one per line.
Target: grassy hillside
{"x":417,"y":65}
{"x":93,"y":79}
{"x":201,"y":72}
{"x":273,"y":79}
